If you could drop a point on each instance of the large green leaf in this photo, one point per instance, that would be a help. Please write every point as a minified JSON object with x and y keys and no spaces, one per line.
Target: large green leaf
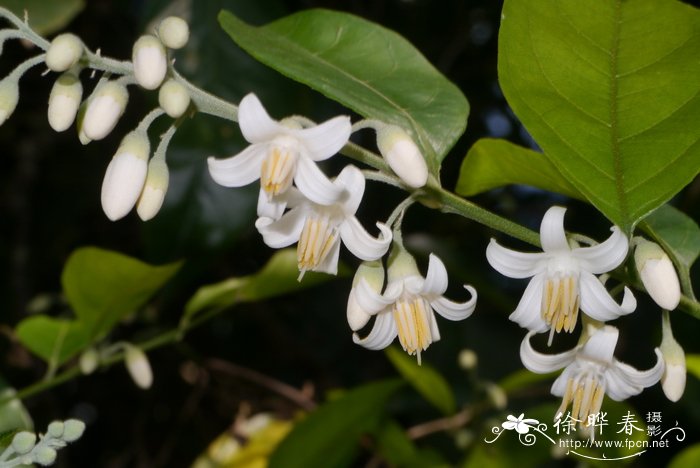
{"x":279,"y":276}
{"x":690,"y":456}
{"x":104,"y":287}
{"x":53,"y":340}
{"x":692,"y":363}
{"x":610,"y":92}
{"x":426,"y":380}
{"x":45,"y":16}
{"x":493,"y":163}
{"x":370,"y":69}
{"x":329,"y":436}
{"x":678,"y":233}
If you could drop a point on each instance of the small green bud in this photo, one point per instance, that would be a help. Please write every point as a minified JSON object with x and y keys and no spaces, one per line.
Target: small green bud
{"x":174,"y":32}
{"x":154,"y":189}
{"x":467,"y":359}
{"x":173,"y":98}
{"x":73,"y":429}
{"x":674,"y":376}
{"x":55,"y":429}
{"x":401,"y":264}
{"x":89,"y":361}
{"x":23,"y":442}
{"x":45,"y":456}
{"x":9,"y":97}
{"x":64,"y":52}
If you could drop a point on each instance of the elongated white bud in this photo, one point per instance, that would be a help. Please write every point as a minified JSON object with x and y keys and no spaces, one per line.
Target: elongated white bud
{"x":106,"y":106}
{"x":23,"y":442}
{"x":64,"y":101}
{"x":138,"y":366}
{"x":150,"y":61}
{"x":372,"y":273}
{"x":9,"y":97}
{"x":173,"y":98}
{"x":402,"y":155}
{"x":45,"y":456}
{"x":657,"y":273}
{"x":154,"y":190}
{"x":673,"y":378}
{"x":73,"y":429}
{"x":125,"y":176}
{"x":89,"y":361}
{"x":64,"y":52}
{"x":174,"y":32}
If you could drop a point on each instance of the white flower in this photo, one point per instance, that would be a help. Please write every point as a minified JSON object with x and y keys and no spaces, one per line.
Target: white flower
{"x":657,"y":273}
{"x":318,"y":229}
{"x":402,"y":155}
{"x":522,"y":426}
{"x":150,"y":61}
{"x":563,"y":277}
{"x":281,"y":152}
{"x":406,"y":307}
{"x":125,"y":176}
{"x":591,"y":372}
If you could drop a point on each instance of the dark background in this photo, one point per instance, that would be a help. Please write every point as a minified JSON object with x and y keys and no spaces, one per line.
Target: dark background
{"x":49,"y":205}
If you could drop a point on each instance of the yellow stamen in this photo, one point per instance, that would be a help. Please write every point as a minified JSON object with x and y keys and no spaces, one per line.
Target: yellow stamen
{"x":315,"y":242}
{"x":413,"y":324}
{"x":277,"y":170}
{"x":560,"y":302}
{"x":588,"y":394}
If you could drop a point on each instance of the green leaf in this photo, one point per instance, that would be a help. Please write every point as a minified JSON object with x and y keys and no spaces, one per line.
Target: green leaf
{"x":689,"y":456}
{"x":54,"y":340}
{"x":609,"y":92}
{"x":676,"y":232}
{"x":13,"y":415}
{"x":46,"y":17}
{"x":103,"y":287}
{"x":370,"y":69}
{"x":523,"y":378}
{"x":398,"y":449}
{"x":277,"y":277}
{"x":692,"y":363}
{"x":329,"y":436}
{"x":492,"y":163}
{"x":426,"y":380}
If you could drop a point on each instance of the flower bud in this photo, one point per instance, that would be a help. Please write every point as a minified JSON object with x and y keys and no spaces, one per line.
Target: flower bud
{"x":126,"y":175}
{"x":496,"y":395}
{"x":55,"y":429}
{"x":467,"y":359}
{"x":106,"y":105}
{"x":658,"y":274}
{"x":174,"y":32}
{"x":154,"y":190}
{"x":138,"y":366}
{"x":173,"y":98}
{"x":73,"y":429}
{"x":89,"y":361}
{"x":9,"y":97}
{"x":45,"y":456}
{"x":372,"y":273}
{"x":402,"y":155}
{"x":23,"y":442}
{"x":401,"y":264}
{"x":150,"y":61}
{"x":673,"y":378}
{"x":64,"y":101}
{"x":64,"y":52}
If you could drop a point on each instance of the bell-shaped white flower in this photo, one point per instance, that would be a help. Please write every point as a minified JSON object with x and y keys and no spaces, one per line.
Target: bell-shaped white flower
{"x":150,"y":61}
{"x":64,"y":101}
{"x":402,"y":155}
{"x":174,"y":32}
{"x":106,"y":105}
{"x":318,"y":229}
{"x":406,"y":306}
{"x":657,"y":273}
{"x":590,"y":372}
{"x":282,"y":152}
{"x":563,"y":277}
{"x":64,"y":52}
{"x":125,"y":175}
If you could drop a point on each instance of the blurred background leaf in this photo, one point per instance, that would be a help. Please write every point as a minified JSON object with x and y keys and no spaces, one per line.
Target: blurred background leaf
{"x":46,"y":17}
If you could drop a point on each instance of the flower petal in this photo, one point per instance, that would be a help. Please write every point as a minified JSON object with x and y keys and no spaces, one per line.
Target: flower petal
{"x":370,"y":300}
{"x":552,"y":235}
{"x":256,"y":125}
{"x":512,"y":263}
{"x":454,"y":310}
{"x":356,"y":315}
{"x":361,"y":243}
{"x":329,"y":264}
{"x":324,"y":140}
{"x":600,"y":347}
{"x":270,"y":207}
{"x":314,"y":184}
{"x":528,"y":314}
{"x":605,"y":256}
{"x":436,"y":278}
{"x":353,"y":181}
{"x":283,"y":232}
{"x":561,"y":382}
{"x":640,"y":378}
{"x":240,"y":169}
{"x":382,"y":334}
{"x":544,"y":363}
{"x":597,"y":303}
